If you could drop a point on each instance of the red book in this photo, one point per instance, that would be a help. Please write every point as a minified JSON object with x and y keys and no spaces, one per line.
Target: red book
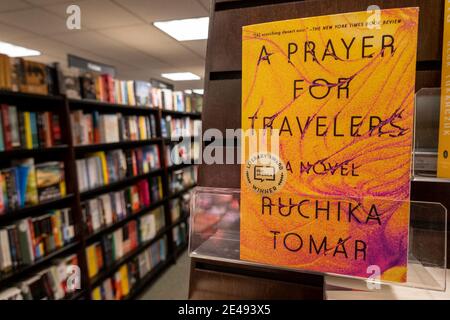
{"x":132,"y":229}
{"x":134,"y":161}
{"x":56,"y":129}
{"x":144,"y":193}
{"x":7,"y":135}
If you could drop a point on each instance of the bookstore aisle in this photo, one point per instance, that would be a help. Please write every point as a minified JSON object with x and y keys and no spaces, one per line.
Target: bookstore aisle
{"x":98,"y":158}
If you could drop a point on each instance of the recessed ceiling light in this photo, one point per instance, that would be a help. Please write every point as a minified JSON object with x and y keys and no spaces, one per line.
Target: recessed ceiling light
{"x":186,"y":29}
{"x":198,"y":91}
{"x":180,"y":76}
{"x":16,"y":51}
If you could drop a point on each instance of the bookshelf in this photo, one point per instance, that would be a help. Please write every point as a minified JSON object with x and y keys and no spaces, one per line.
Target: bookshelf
{"x":68,"y":153}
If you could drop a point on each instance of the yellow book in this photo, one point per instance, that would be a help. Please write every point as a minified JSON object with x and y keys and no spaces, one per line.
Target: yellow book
{"x":443,"y":163}
{"x":91,"y":261}
{"x":326,"y":186}
{"x":130,"y":90}
{"x":124,"y":280}
{"x":28,"y":135}
{"x":96,"y":295}
{"x":142,"y":129}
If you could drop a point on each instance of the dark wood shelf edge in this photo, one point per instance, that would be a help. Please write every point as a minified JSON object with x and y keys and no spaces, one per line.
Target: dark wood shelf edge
{"x":73,"y":103}
{"x":18,"y":94}
{"x":31,"y":152}
{"x":25,"y":212}
{"x":113,"y":145}
{"x":118,"y":184}
{"x":181,"y":113}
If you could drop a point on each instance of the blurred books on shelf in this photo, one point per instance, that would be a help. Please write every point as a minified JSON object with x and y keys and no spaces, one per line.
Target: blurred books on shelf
{"x":102,"y":168}
{"x":92,"y":128}
{"x":117,"y":244}
{"x":22,"y":129}
{"x":127,"y":277}
{"x":48,"y":284}
{"x":182,"y":179}
{"x":26,"y":183}
{"x":112,"y":207}
{"x":30,"y":239}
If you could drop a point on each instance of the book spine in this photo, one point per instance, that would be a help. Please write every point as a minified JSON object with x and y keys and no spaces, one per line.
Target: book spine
{"x":6,"y":127}
{"x":34,"y":130}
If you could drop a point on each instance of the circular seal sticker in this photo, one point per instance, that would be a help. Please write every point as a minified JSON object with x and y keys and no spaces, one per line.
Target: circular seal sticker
{"x":265,"y":173}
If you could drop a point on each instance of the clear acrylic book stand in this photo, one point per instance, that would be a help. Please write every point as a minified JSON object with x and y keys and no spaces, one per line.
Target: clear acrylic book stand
{"x":215,"y":235}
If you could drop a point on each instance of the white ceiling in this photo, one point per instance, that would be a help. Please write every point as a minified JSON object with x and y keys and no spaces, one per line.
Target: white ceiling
{"x":115,"y":32}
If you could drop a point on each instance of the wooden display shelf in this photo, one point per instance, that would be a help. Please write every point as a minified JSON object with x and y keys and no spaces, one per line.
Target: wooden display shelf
{"x":181,"y":113}
{"x":68,"y":153}
{"x":21,"y":153}
{"x":95,"y":105}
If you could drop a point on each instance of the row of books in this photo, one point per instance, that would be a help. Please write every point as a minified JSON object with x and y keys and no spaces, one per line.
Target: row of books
{"x":168,"y":99}
{"x":103,"y":87}
{"x":112,"y":207}
{"x":184,"y":152}
{"x":129,"y":274}
{"x":31,"y":239}
{"x":172,"y":127}
{"x":90,"y":128}
{"x":182,"y":179}
{"x":52,"y":283}
{"x":22,"y":129}
{"x":122,"y":241}
{"x":26,"y":183}
{"x":18,"y":74}
{"x":101,"y":168}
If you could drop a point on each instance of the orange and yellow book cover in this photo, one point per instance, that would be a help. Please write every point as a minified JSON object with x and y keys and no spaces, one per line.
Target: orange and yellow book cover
{"x":336,"y":94}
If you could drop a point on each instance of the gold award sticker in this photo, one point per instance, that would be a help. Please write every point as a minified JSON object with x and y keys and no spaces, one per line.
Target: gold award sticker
{"x":265,"y":173}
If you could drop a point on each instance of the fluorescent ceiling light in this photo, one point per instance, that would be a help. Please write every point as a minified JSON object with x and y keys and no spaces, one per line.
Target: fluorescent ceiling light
{"x":16,"y":51}
{"x":198,"y":91}
{"x":188,"y":91}
{"x":186,"y":29}
{"x":180,"y":76}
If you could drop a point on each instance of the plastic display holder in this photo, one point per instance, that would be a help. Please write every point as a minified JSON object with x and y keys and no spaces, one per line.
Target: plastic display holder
{"x":426,"y":135}
{"x":215,"y":234}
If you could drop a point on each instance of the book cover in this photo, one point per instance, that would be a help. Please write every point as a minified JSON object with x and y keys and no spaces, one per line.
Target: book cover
{"x":27,"y":181}
{"x":142,"y":93}
{"x":336,"y":94}
{"x":34,"y":129}
{"x":34,"y":79}
{"x":27,"y":129}
{"x":14,"y":123}
{"x":50,"y":180}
